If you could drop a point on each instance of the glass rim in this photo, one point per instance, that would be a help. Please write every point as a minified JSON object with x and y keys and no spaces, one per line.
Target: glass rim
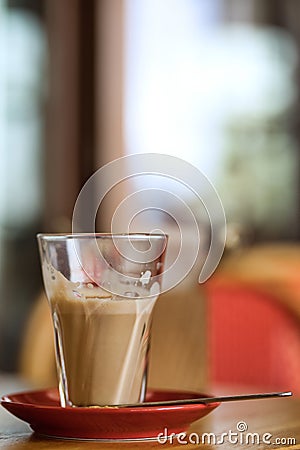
{"x":70,"y":236}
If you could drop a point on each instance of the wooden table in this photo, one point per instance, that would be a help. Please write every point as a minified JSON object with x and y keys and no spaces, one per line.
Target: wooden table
{"x":274,"y":421}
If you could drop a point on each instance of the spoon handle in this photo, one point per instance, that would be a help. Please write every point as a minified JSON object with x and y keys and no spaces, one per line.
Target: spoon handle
{"x":206,"y":400}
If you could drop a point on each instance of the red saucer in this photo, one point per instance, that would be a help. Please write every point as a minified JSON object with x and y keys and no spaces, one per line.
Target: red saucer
{"x":41,"y":409}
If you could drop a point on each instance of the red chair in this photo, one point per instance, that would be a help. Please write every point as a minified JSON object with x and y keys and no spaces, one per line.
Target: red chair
{"x":253,"y":334}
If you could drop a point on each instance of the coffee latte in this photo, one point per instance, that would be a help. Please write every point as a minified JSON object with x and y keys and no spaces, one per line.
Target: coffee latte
{"x":101,"y":343}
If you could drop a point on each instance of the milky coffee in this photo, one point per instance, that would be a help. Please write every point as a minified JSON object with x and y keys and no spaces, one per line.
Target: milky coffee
{"x":101,"y":343}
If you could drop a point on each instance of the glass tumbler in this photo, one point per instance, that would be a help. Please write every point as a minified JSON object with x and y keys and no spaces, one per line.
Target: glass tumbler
{"x":102,"y":289}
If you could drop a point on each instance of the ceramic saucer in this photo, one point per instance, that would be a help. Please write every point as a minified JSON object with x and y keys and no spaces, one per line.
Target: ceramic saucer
{"x":42,"y":411}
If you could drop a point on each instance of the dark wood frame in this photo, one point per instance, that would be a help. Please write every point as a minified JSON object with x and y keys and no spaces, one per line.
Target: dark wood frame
{"x":70,"y":129}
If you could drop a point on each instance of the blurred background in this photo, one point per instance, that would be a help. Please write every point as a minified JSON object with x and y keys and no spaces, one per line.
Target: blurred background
{"x":83,"y":82}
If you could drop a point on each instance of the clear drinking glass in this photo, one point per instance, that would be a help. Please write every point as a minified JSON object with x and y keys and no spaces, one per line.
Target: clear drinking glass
{"x":101,"y":290}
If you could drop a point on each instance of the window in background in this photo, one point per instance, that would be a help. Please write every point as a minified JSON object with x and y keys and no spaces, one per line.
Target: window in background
{"x":221,"y":95}
{"x":22,"y":87}
{"x":2,"y":141}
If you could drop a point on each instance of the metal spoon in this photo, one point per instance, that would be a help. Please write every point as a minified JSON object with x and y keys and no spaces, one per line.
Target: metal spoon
{"x":206,"y":400}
